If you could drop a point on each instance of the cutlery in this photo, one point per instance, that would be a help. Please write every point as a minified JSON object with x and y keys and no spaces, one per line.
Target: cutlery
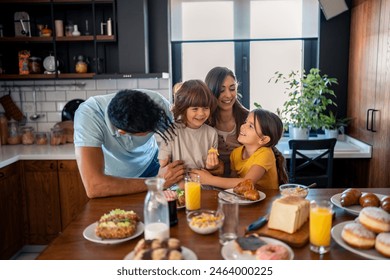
{"x":208,"y":187}
{"x":261,"y":221}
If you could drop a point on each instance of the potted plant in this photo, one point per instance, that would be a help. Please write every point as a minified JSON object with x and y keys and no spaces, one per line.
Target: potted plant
{"x":333,"y":125}
{"x":309,"y":95}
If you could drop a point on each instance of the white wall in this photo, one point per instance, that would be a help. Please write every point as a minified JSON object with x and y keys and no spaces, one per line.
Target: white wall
{"x":52,"y":95}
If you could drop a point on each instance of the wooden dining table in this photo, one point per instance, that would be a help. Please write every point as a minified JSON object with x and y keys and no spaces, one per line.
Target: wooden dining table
{"x":71,"y":245}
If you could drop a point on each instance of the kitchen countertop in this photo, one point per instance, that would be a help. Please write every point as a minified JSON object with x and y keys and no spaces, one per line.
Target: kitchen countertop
{"x":349,"y":148}
{"x":13,"y":153}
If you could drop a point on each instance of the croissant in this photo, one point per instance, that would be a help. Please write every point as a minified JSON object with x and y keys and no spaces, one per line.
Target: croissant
{"x":244,"y":186}
{"x":385,"y":203}
{"x":252,"y":195}
{"x":369,"y":199}
{"x":350,"y":197}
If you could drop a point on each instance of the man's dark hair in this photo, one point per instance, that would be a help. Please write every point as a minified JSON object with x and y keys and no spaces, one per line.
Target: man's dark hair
{"x":135,"y":112}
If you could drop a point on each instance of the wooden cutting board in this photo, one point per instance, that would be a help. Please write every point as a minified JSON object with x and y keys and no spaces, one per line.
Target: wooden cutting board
{"x":297,"y":239}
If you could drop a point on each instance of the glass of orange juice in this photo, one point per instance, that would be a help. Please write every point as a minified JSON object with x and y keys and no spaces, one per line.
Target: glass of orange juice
{"x":192,"y":192}
{"x":320,"y":226}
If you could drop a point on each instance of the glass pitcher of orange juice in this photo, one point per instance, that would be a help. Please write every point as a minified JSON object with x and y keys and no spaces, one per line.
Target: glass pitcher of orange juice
{"x":192,"y":192}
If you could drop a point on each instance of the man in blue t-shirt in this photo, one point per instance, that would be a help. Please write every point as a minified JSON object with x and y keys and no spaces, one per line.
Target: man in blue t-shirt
{"x":115,"y":145}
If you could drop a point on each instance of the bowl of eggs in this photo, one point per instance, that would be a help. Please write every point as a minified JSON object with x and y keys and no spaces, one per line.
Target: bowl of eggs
{"x":204,"y":221}
{"x":294,"y":190}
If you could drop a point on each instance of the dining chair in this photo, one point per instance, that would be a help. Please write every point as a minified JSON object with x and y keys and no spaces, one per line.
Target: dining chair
{"x":313,"y":166}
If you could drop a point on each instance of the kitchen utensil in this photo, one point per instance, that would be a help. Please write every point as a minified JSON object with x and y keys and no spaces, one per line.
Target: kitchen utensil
{"x":261,"y":221}
{"x":22,"y":24}
{"x":11,"y":110}
{"x":70,"y":108}
{"x":208,"y":187}
{"x":35,"y":116}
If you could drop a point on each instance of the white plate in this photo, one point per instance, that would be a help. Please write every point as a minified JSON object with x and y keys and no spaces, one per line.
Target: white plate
{"x":187,"y":254}
{"x":229,"y":197}
{"x":229,"y":251}
{"x":353,"y":209}
{"x":369,"y":254}
{"x":89,"y":234}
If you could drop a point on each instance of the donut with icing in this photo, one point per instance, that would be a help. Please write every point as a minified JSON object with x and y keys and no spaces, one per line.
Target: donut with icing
{"x":356,"y":235}
{"x":375,"y":219}
{"x":382,"y":243}
{"x":272,"y":252}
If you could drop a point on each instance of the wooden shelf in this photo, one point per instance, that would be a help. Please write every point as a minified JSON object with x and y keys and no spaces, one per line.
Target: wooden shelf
{"x":47,"y":76}
{"x":58,"y":39}
{"x":26,"y":39}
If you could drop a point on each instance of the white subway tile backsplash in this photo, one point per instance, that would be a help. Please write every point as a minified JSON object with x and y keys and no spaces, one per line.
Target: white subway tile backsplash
{"x":106,"y":84}
{"x":59,"y":95}
{"x":52,"y":96}
{"x":148,"y":83}
{"x":164,"y":83}
{"x":127,"y":84}
{"x":54,"y":116}
{"x":80,"y":94}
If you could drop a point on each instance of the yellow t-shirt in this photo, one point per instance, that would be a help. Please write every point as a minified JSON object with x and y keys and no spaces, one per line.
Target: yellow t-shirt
{"x":263,"y":157}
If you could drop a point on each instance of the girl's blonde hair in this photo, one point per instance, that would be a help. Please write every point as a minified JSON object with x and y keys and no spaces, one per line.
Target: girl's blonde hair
{"x":192,"y":93}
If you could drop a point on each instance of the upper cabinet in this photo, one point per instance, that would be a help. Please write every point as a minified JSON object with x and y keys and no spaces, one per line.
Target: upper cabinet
{"x":44,"y":39}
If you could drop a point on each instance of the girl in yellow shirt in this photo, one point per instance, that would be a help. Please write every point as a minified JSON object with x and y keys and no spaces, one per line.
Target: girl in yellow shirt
{"x":257,"y":159}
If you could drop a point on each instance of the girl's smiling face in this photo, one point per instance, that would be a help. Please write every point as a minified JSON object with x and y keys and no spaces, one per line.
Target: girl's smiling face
{"x":228,"y":93}
{"x":250,"y":132}
{"x":197,"y":116}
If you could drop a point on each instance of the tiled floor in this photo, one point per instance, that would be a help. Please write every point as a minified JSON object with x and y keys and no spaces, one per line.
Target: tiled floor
{"x":29,"y":252}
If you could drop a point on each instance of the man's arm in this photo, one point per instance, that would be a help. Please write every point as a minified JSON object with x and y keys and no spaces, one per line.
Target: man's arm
{"x":90,"y":161}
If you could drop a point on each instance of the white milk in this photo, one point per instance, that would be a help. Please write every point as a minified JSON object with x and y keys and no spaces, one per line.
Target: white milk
{"x":156,"y":231}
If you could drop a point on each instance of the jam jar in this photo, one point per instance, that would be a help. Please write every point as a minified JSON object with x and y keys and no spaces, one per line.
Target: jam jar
{"x":28,"y":135}
{"x":56,"y":134}
{"x":35,"y":65}
{"x":13,"y":133}
{"x":41,"y":138}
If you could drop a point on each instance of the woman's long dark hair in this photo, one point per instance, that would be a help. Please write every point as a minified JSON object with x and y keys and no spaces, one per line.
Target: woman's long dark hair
{"x":214,"y":80}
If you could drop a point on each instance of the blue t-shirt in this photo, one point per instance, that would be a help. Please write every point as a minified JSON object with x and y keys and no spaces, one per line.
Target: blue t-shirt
{"x":124,"y":155}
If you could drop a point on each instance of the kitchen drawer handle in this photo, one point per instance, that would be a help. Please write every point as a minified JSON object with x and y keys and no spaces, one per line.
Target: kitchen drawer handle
{"x":373,"y":120}
{"x":367,"y":119}
{"x":51,"y":165}
{"x":61,"y":165}
{"x":2,"y":174}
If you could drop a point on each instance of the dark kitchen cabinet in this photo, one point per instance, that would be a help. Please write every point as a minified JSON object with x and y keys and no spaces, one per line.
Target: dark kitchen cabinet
{"x":88,"y":15}
{"x":72,"y":192}
{"x":368,"y":90}
{"x":11,"y":209}
{"x":138,"y":46}
{"x":55,"y":196}
{"x":42,"y":200}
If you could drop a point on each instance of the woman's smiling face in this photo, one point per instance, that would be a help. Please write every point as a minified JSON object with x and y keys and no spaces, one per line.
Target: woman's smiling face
{"x":228,"y":93}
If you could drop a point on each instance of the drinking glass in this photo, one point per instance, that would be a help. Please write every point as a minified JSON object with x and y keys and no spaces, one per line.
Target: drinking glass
{"x":192,"y":192}
{"x":320,"y":226}
{"x":229,"y":229}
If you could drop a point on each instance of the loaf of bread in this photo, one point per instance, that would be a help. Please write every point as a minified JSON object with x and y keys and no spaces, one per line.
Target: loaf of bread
{"x":289,"y":213}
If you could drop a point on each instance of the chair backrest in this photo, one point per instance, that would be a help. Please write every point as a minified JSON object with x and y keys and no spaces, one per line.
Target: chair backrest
{"x":312,"y":167}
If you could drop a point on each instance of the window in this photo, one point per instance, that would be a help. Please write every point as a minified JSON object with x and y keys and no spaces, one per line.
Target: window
{"x":254,"y":38}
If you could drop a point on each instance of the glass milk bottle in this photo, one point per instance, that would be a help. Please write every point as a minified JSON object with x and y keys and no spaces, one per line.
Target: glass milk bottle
{"x":156,"y":213}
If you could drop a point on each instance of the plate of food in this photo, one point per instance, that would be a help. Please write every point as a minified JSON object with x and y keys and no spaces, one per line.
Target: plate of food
{"x":177,"y":193}
{"x":241,"y":201}
{"x":366,"y":253}
{"x":170,"y":249}
{"x":114,"y":227}
{"x":349,"y":200}
{"x":255,"y":247}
